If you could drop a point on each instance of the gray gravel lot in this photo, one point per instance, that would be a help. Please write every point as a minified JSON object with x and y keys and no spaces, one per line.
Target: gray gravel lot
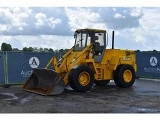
{"x":142,"y":97}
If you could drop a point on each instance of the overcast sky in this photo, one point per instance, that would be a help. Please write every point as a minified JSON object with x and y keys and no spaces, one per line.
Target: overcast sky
{"x":136,"y":28}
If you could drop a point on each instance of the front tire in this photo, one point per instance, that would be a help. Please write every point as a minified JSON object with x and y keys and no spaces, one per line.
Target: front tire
{"x":124,"y":76}
{"x":81,"y":78}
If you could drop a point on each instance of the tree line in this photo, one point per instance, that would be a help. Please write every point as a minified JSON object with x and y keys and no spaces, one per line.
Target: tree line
{"x":8,"y":47}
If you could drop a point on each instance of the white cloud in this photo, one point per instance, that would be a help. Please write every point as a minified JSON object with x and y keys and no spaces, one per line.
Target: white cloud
{"x":117,"y":15}
{"x":4,"y":27}
{"x":114,"y":9}
{"x":28,"y":21}
{"x":84,"y":18}
{"x":119,"y":18}
{"x":136,"y":12}
{"x":135,"y":28}
{"x":150,"y":26}
{"x":140,"y":38}
{"x":41,"y":19}
{"x":20,"y":28}
{"x":13,"y":18}
{"x":52,"y":22}
{"x":14,"y":15}
{"x":147,"y":35}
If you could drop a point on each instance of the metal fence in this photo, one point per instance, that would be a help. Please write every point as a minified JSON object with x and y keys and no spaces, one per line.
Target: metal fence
{"x":148,"y":64}
{"x":2,"y":68}
{"x":16,"y":67}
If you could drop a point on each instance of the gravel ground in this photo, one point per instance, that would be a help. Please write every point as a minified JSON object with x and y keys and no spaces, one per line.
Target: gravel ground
{"x":142,"y":97}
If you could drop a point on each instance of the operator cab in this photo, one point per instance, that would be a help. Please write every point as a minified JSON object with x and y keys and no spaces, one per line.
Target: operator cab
{"x":84,"y":37}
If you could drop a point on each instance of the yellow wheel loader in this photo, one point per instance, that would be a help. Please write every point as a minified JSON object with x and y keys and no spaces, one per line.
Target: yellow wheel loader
{"x":86,"y":63}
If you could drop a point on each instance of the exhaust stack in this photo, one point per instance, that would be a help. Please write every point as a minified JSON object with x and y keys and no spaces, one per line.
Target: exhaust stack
{"x":112,"y":39}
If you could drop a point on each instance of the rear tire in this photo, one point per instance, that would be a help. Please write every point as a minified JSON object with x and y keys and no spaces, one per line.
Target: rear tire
{"x":81,"y":78}
{"x":101,"y":82}
{"x":124,"y":76}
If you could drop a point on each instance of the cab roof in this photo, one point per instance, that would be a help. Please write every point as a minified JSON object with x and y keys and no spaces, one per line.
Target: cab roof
{"x":91,"y":29}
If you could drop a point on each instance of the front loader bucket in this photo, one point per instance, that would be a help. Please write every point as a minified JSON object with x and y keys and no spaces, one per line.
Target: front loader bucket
{"x":45,"y":82}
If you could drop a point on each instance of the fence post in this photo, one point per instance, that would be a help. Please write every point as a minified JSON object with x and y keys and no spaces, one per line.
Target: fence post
{"x":5,"y":67}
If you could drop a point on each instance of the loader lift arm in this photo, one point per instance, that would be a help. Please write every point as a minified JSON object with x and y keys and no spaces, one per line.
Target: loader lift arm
{"x":67,"y":62}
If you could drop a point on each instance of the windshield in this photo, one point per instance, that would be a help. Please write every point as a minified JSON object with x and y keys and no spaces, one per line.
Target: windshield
{"x":82,"y":39}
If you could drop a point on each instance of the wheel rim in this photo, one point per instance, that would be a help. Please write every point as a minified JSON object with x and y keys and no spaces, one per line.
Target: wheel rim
{"x":84,"y":78}
{"x":127,"y":76}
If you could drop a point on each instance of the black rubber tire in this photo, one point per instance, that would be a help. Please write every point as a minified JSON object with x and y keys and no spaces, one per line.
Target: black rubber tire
{"x":118,"y":76}
{"x":70,"y":76}
{"x":101,"y":82}
{"x":74,"y":78}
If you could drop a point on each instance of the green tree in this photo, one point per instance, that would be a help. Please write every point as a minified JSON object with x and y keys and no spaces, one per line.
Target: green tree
{"x":155,"y":50}
{"x":41,"y":49}
{"x":6,"y":47}
{"x":15,"y":49}
{"x":46,"y":50}
{"x":25,"y":49}
{"x":61,"y":50}
{"x":50,"y":50}
{"x":56,"y":51}
{"x":30,"y":49}
{"x":137,"y":51}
